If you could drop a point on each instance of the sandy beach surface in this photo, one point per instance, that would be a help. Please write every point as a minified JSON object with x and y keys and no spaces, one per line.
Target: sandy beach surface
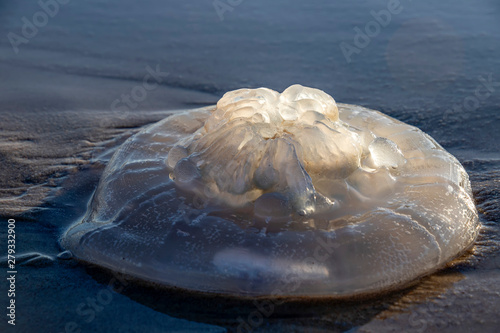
{"x":64,"y":109}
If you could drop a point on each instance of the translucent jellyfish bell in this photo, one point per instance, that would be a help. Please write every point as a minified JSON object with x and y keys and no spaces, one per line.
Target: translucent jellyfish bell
{"x":278,"y":194}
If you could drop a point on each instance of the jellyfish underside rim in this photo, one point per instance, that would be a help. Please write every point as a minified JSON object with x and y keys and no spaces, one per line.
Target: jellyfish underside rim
{"x":362,"y":296}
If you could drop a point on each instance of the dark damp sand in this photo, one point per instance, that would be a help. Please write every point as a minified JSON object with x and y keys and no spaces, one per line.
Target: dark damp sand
{"x":57,"y":131}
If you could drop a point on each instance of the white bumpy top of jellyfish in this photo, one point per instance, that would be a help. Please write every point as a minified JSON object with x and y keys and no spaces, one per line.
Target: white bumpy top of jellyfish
{"x":287,"y":153}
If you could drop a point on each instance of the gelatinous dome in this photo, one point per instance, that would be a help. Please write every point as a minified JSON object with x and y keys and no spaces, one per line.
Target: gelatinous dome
{"x":278,"y":194}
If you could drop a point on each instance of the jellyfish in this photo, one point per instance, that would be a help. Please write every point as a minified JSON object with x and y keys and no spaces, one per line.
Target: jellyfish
{"x":278,"y":194}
